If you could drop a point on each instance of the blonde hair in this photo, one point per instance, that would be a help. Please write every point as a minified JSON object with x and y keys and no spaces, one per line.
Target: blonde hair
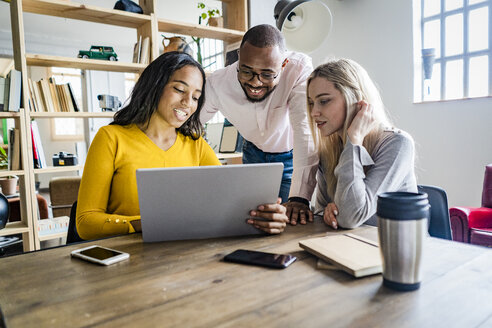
{"x":355,"y":85}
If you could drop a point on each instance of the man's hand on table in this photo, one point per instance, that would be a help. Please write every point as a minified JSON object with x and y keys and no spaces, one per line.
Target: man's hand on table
{"x":271,"y":218}
{"x":297,"y":211}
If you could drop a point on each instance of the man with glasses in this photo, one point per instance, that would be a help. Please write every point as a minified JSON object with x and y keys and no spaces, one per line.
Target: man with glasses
{"x":263,"y":95}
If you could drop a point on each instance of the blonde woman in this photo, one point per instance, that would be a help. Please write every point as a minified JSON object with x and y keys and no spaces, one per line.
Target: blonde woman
{"x":361,"y":155}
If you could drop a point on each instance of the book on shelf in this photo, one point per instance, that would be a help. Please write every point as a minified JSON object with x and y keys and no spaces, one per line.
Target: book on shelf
{"x":12,"y":101}
{"x":14,"y":149}
{"x":2,"y":92}
{"x":54,"y":94}
{"x":136,"y":50}
{"x":37,"y":147}
{"x":44,"y":88}
{"x":145,"y":52}
{"x":75,"y":105}
{"x":53,"y":225}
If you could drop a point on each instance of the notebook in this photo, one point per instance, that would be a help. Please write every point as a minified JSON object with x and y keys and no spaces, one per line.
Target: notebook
{"x":204,"y":201}
{"x":354,"y":254}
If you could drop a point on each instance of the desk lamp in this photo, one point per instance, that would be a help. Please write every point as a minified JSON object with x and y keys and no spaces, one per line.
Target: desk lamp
{"x":304,"y":23}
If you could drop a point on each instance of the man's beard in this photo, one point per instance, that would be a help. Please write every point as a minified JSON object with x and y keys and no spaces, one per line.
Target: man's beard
{"x":256,"y":99}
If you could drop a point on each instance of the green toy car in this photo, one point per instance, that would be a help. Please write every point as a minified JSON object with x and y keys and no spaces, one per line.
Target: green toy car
{"x":99,"y":52}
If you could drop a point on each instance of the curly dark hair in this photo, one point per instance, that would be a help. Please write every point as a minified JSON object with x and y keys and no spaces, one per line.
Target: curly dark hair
{"x":148,"y":90}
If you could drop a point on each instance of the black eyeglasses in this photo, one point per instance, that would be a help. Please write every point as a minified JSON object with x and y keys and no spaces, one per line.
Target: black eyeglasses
{"x":264,"y":77}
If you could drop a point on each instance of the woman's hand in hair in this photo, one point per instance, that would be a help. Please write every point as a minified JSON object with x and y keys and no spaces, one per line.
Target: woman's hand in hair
{"x":363,"y":123}
{"x":330,"y":215}
{"x":271,"y":218}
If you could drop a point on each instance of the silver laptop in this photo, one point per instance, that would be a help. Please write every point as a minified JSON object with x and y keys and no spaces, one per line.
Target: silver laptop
{"x":205,"y":201}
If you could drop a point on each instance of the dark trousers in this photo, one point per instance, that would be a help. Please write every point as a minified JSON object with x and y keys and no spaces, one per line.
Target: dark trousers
{"x":251,"y":154}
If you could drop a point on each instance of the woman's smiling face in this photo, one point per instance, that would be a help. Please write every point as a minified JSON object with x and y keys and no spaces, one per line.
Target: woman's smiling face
{"x":326,"y":106}
{"x":179,"y":99}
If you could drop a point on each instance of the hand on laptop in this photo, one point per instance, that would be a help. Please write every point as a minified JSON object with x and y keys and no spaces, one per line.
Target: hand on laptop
{"x":297,"y":211}
{"x":272,"y":218}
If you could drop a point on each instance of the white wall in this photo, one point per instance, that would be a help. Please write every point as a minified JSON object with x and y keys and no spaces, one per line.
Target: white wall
{"x":453,"y":138}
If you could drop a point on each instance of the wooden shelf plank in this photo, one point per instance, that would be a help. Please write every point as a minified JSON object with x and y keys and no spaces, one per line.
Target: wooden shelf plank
{"x":4,"y":173}
{"x":9,"y":114}
{"x":81,"y":63}
{"x":73,"y":114}
{"x":228,"y":35}
{"x":56,"y":169}
{"x":13,"y":228}
{"x":83,"y":12}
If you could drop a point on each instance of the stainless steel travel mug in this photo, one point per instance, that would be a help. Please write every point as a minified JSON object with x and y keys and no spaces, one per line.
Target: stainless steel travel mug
{"x":402,"y":228}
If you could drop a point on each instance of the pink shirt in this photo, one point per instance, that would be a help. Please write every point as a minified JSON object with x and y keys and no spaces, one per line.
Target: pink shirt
{"x":277,"y":124}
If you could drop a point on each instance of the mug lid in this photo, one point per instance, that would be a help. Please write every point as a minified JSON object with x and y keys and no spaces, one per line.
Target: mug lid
{"x":402,"y":205}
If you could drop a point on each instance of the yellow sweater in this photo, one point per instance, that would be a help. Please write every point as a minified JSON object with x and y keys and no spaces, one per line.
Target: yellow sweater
{"x":108,"y":198}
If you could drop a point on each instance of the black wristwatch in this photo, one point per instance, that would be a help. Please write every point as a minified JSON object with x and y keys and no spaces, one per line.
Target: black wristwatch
{"x":299,"y":200}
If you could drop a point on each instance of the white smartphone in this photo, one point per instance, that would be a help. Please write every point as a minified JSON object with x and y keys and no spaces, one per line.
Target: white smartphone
{"x":100,"y":255}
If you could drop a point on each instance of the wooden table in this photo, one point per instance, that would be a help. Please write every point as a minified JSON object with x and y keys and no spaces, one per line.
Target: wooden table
{"x":185,"y":284}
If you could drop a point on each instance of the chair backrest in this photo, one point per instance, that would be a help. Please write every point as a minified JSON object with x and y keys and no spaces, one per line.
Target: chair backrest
{"x":439,"y":225}
{"x":63,"y":192}
{"x":487,"y":187}
{"x":72,"y":234}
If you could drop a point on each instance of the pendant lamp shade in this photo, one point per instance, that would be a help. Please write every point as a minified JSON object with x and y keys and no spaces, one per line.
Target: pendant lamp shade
{"x":305,"y":24}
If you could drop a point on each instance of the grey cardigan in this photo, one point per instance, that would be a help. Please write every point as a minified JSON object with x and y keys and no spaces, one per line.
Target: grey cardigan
{"x":389,"y":168}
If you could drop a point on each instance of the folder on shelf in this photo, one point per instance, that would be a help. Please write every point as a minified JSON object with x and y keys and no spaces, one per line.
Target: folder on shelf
{"x":354,"y":254}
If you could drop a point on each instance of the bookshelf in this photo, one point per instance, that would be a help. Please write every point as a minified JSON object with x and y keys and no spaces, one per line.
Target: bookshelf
{"x":146,"y":25}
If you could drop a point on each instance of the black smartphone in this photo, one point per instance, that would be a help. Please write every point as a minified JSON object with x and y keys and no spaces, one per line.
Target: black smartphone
{"x":278,"y":261}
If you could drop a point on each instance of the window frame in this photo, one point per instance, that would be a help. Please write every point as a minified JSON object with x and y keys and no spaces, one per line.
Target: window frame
{"x":465,"y":55}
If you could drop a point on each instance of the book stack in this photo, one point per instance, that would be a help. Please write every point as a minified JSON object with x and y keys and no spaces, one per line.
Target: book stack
{"x":53,"y":225}
{"x":141,"y":51}
{"x":47,"y":96}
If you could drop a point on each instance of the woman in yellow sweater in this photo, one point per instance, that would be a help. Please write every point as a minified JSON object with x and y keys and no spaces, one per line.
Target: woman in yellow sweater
{"x":160,"y":127}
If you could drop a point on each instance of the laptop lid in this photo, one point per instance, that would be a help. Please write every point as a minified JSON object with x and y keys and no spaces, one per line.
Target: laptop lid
{"x":204,"y":201}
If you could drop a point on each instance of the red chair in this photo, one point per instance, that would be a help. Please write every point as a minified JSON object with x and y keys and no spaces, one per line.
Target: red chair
{"x":471,"y":224}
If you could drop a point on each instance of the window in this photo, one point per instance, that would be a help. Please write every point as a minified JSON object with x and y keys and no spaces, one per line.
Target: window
{"x":452,"y":49}
{"x":68,"y":128}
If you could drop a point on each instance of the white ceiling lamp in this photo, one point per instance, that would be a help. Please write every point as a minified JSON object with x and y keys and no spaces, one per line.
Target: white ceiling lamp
{"x":305,"y":24}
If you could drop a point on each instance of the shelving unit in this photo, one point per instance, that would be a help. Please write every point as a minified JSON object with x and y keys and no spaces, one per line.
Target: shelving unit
{"x":147,"y":24}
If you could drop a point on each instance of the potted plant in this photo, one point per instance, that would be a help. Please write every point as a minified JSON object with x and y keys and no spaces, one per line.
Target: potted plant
{"x":214,"y":19}
{"x":4,"y":160}
{"x":8,"y":183}
{"x":213,"y":14}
